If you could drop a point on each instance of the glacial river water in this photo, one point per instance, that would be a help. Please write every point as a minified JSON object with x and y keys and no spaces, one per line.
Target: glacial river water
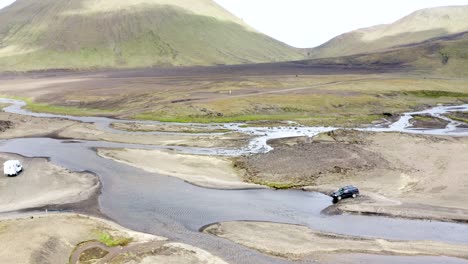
{"x":172,"y":208}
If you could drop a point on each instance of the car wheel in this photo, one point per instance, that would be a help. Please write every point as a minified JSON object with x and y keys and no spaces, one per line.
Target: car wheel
{"x":354,"y":195}
{"x":339,"y":198}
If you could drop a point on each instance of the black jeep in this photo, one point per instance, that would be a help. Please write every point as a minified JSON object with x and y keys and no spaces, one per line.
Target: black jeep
{"x":345,"y":192}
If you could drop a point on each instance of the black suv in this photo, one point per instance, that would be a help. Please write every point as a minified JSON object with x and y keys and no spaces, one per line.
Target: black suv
{"x":345,"y":192}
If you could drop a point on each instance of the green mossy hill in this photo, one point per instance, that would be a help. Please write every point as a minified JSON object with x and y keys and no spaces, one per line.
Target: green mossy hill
{"x":87,"y":34}
{"x":445,"y":56}
{"x":417,"y":27}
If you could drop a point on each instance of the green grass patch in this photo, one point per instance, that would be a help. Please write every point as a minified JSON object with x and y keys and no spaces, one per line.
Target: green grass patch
{"x":111,"y":241}
{"x":26,"y":99}
{"x":272,"y":123}
{"x":423,"y":118}
{"x":343,"y":105}
{"x":211,"y":119}
{"x":61,"y":110}
{"x":185,"y":131}
{"x":461,"y":117}
{"x":279,"y":185}
{"x":261,"y":120}
{"x":64,"y":110}
{"x":345,"y":120}
{"x":436,"y":94}
{"x":181,"y":130}
{"x":305,"y":118}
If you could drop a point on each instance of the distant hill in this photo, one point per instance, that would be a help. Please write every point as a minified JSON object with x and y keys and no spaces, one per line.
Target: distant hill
{"x":417,"y":27}
{"x":83,"y":34}
{"x":441,"y":56}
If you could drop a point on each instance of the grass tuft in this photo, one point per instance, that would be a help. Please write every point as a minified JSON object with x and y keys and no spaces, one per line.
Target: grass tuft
{"x":279,"y":185}
{"x":111,"y":241}
{"x":423,"y":118}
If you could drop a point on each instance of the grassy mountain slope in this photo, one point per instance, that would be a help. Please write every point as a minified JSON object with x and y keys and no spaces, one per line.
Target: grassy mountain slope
{"x":443,"y":56}
{"x":419,"y":26}
{"x":117,"y":33}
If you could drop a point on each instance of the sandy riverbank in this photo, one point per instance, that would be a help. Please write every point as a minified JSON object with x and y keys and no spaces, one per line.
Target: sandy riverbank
{"x":172,"y":128}
{"x":298,"y":242}
{"x":206,"y":171}
{"x":67,"y":238}
{"x":42,"y":183}
{"x":91,"y":132}
{"x":27,"y":126}
{"x":17,"y":126}
{"x":403,"y":175}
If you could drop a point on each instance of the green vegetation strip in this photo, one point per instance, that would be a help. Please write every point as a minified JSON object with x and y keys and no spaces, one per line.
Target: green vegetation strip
{"x":458,"y":118}
{"x":279,"y":185}
{"x":212,"y":119}
{"x":424,"y":118}
{"x":60,"y":110}
{"x":63,"y":110}
{"x":436,"y":94}
{"x":111,"y":241}
{"x":259,"y":120}
{"x":310,"y":110}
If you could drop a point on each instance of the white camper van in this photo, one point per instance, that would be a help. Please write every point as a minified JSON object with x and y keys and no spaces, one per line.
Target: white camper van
{"x":12,"y":167}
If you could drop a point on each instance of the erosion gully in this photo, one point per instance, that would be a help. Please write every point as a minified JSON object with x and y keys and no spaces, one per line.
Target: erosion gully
{"x":170,"y":207}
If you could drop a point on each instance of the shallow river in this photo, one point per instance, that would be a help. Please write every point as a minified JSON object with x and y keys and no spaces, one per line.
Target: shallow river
{"x":173,"y":208}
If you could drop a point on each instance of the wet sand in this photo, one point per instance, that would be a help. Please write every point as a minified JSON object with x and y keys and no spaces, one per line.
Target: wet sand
{"x":206,"y":171}
{"x":296,"y":242}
